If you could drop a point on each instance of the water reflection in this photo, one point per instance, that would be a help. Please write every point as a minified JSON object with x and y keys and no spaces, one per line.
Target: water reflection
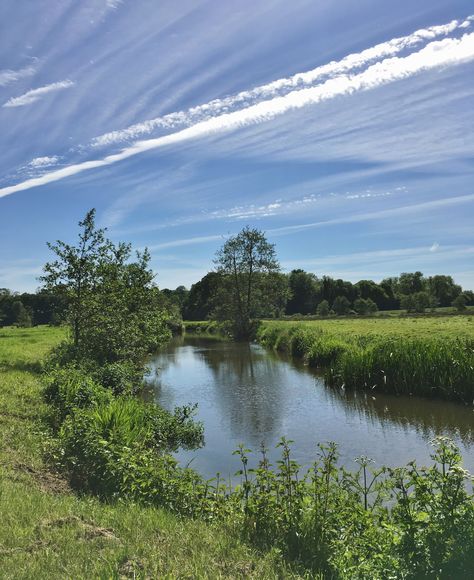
{"x":246,"y":394}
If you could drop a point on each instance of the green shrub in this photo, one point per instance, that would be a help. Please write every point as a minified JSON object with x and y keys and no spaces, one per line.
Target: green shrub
{"x":70,"y":389}
{"x":120,"y":377}
{"x":92,"y":441}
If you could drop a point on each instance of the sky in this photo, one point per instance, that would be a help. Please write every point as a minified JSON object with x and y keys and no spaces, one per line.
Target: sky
{"x":344,"y":130}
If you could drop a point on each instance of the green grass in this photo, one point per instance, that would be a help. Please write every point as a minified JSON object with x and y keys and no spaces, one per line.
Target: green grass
{"x":46,"y":531}
{"x":426,"y":356}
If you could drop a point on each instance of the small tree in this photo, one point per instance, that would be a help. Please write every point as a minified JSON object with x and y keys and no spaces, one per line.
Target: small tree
{"x":22,"y":317}
{"x":422,"y":301}
{"x":361,"y":306}
{"x":115,"y":311}
{"x":372,"y":307}
{"x":323,"y":308}
{"x":341,"y":305}
{"x":246,"y":263}
{"x":460,"y":302}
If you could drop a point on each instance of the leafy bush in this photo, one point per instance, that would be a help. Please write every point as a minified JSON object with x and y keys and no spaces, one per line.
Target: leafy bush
{"x":120,"y":377}
{"x":69,"y":389}
{"x":92,"y":441}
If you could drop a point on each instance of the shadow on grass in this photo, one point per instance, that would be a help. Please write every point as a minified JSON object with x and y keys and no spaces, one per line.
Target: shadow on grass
{"x":22,"y":366}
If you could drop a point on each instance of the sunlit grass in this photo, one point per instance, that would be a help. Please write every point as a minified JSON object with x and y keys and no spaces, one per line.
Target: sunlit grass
{"x":46,"y":531}
{"x":424,"y":356}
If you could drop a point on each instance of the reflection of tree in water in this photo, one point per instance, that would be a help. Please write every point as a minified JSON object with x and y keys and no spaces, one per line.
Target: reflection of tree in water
{"x":429,"y":417}
{"x":248,"y":388}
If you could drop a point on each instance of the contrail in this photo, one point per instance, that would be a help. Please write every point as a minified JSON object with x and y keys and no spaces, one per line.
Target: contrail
{"x":441,"y":53}
{"x":280,"y":87}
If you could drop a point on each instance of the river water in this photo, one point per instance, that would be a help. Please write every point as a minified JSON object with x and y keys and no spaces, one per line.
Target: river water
{"x":248,"y":395}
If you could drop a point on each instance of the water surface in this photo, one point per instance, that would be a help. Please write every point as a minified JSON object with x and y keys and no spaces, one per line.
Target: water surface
{"x":246,"y":394}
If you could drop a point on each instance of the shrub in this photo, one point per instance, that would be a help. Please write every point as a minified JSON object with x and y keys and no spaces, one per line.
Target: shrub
{"x":92,"y":441}
{"x":120,"y":377}
{"x":70,"y":389}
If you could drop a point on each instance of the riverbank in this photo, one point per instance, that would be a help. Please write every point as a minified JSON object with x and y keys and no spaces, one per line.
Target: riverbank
{"x":432,"y":357}
{"x":47,"y":531}
{"x":280,"y":520}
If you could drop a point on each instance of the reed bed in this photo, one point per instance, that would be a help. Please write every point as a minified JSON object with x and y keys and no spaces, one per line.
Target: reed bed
{"x":429,"y":358}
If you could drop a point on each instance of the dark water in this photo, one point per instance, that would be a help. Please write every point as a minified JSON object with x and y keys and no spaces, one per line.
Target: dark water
{"x":249,"y":395}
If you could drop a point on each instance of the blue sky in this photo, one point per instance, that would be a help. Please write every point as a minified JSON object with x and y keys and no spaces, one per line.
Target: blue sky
{"x":342,"y":129}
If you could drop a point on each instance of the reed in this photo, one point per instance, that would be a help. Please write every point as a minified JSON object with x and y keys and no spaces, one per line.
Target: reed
{"x":427,"y":364}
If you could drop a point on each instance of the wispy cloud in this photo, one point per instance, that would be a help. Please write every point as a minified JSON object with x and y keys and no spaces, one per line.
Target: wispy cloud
{"x":405,"y":210}
{"x":114,"y":4}
{"x":436,"y":54}
{"x":36,"y":94}
{"x":188,"y":242}
{"x":350,"y":63}
{"x":39,"y":162}
{"x":8,"y":76}
{"x":400,"y":211}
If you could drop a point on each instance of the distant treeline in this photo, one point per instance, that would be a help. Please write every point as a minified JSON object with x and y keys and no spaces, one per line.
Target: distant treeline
{"x":30,"y":309}
{"x":304,"y":293}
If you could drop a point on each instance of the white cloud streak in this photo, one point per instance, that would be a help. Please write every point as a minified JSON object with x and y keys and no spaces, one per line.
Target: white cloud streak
{"x":39,"y":162}
{"x":436,"y":54}
{"x":279,"y":87}
{"x":36,"y":94}
{"x":376,"y":215}
{"x":8,"y":76}
{"x":382,"y":214}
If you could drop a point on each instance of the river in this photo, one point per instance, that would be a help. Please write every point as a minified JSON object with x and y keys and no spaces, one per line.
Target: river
{"x":248,"y":395}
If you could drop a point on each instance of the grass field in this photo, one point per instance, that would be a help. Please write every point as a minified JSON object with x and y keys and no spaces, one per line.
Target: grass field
{"x":428,"y":356}
{"x":46,"y":531}
{"x":450,"y":327}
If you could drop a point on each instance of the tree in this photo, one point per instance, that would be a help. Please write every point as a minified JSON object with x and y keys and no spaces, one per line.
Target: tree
{"x":372,"y":307}
{"x":341,"y":305}
{"x":246,"y":263}
{"x":199,"y":302}
{"x":411,"y":283}
{"x":323,"y":308}
{"x":22,"y":317}
{"x":444,"y":289}
{"x":460,"y":302}
{"x":361,"y":306}
{"x":303,"y":287}
{"x":115,"y":311}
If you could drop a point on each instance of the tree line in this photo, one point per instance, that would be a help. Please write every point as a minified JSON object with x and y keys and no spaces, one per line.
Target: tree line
{"x":304,"y":293}
{"x":246,"y":284}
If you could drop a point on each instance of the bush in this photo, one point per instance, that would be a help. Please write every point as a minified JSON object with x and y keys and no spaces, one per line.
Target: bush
{"x":92,"y":441}
{"x":70,"y":389}
{"x":120,"y":377}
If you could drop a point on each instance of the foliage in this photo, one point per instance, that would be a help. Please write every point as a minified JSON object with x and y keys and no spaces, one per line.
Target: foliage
{"x":323,"y":308}
{"x":304,"y":288}
{"x":115,"y":311}
{"x":460,"y":302}
{"x":69,"y":388}
{"x":341,"y":305}
{"x":250,"y":283}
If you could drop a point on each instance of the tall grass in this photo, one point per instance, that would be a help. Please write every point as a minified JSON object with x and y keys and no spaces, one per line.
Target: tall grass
{"x":398,"y":362}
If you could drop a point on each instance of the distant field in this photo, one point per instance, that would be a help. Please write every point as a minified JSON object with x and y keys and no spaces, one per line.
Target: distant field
{"x":414,"y":327}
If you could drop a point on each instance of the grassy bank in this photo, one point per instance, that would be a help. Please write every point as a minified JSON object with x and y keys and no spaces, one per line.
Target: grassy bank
{"x":46,"y":531}
{"x":281,"y":522}
{"x":423,"y":356}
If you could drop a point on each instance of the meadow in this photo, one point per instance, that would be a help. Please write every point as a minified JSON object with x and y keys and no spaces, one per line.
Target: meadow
{"x":47,"y":531}
{"x":428,"y":356}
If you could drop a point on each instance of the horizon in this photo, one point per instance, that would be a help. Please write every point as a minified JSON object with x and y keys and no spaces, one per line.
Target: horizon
{"x":348,"y":145}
